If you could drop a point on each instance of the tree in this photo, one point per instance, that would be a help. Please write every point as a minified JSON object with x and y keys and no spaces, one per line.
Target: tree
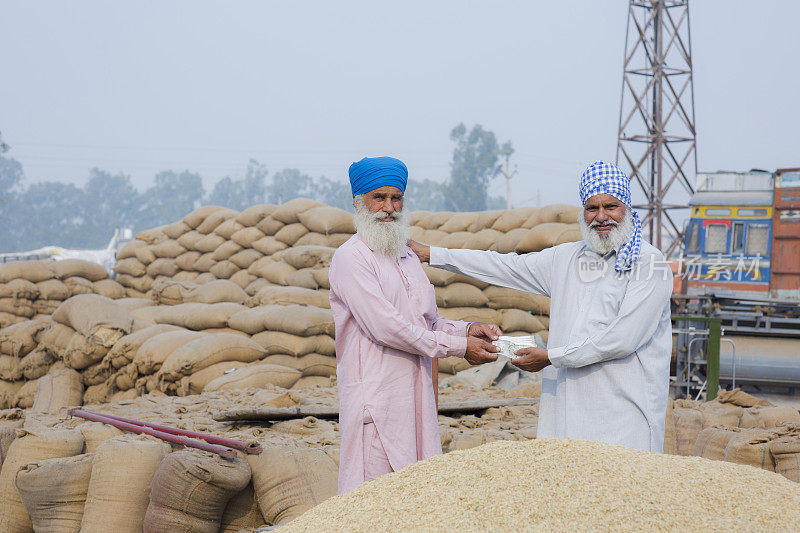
{"x":171,"y":197}
{"x":46,"y":213}
{"x":334,"y":193}
{"x":109,"y":202}
{"x":289,"y":183}
{"x":425,"y":195}
{"x":3,"y":146}
{"x":241,"y":194}
{"x":473,"y":166}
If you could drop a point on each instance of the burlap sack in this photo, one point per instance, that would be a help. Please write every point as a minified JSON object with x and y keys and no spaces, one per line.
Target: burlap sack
{"x":769,"y":417}
{"x":434,"y":220}
{"x":140,"y":284}
{"x":268,"y":245}
{"x":289,"y":213}
{"x":224,"y":269}
{"x":96,"y":394}
{"x":77,"y":285}
{"x":242,"y":279}
{"x":31,"y":445}
{"x":302,"y":278}
{"x":284,"y":360}
{"x":17,"y":306}
{"x":563,"y":213}
{"x":455,"y":240}
{"x":154,"y":351}
{"x":128,"y":249}
{"x":245,"y":258}
{"x":20,"y":288}
{"x":214,"y":219}
{"x":277,"y":342}
{"x":712,"y":441}
{"x":7,"y":319}
{"x":196,"y":217}
{"x":33,"y":271}
{"x":145,"y":255}
{"x":20,"y":339}
{"x":196,"y":382}
{"x":460,"y":222}
{"x":471,"y":314}
{"x":688,"y":424}
{"x":513,"y":219}
{"x":199,"y":316}
{"x":109,"y":288}
{"x":482,"y":240}
{"x":670,"y":438}
{"x":452,"y":365}
{"x":460,"y":295}
{"x":518,"y":320}
{"x":191,"y":489}
{"x":10,"y":369}
{"x":255,"y":214}
{"x":278,"y":295}
{"x":786,"y":453}
{"x":313,"y":382}
{"x":295,"y":319}
{"x":66,"y":268}
{"x":503,"y":298}
{"x":257,"y":375}
{"x":751,"y":447}
{"x":10,"y":421}
{"x":123,"y":379}
{"x":321,"y":277}
{"x":35,"y":364}
{"x":720,"y":415}
{"x":153,"y":235}
{"x":289,"y":481}
{"x":56,"y":339}
{"x":176,"y":229}
{"x":124,"y":350}
{"x":168,"y":249}
{"x":327,"y":220}
{"x":303,"y":426}
{"x":209,"y":243}
{"x":82,"y":352}
{"x":204,"y":263}
{"x":245,"y":237}
{"x":162,"y":267}
{"x":315,"y":364}
{"x":290,"y":233}
{"x":186,"y":260}
{"x":190,"y":239}
{"x":119,"y":487}
{"x":95,"y":433}
{"x":95,"y":316}
{"x":270,"y":226}
{"x":205,"y":277}
{"x":509,"y":241}
{"x":308,"y":256}
{"x":53,"y":491}
{"x":546,"y":235}
{"x":25,"y":395}
{"x":434,"y":237}
{"x":206,"y":351}
{"x":57,"y":390}
{"x":242,"y":512}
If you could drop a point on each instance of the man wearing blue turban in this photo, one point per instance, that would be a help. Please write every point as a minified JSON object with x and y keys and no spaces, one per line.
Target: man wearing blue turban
{"x":605,"y":371}
{"x":388,"y":330}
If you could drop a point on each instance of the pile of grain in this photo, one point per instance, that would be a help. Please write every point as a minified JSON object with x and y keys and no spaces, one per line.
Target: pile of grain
{"x":562,"y":485}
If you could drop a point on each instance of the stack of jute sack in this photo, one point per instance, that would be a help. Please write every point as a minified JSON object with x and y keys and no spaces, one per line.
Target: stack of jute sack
{"x":30,"y":289}
{"x":739,"y":428}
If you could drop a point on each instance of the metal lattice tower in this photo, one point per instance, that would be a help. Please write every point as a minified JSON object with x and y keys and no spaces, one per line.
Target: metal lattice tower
{"x":656,"y":137}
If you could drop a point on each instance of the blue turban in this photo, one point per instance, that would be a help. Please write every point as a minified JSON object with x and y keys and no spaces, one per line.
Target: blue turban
{"x":607,"y":178}
{"x":374,"y":172}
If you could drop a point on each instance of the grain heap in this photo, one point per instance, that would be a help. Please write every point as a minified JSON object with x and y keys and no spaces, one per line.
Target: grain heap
{"x":562,"y":485}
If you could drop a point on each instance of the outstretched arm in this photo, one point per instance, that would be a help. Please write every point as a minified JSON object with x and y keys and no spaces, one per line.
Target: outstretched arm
{"x":529,"y":272}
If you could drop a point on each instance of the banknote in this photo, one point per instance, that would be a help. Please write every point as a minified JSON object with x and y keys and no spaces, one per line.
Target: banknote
{"x":509,"y":345}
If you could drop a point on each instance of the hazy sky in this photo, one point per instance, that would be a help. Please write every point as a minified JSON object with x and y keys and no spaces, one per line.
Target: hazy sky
{"x":204,"y":86}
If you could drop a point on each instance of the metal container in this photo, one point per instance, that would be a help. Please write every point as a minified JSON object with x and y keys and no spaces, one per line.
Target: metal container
{"x":760,"y":360}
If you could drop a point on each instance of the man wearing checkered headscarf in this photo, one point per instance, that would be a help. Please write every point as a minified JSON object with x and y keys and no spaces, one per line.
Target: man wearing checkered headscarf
{"x":605,"y":370}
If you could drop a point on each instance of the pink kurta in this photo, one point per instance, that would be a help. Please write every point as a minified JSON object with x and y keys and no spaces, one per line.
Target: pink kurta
{"x":387,"y":330}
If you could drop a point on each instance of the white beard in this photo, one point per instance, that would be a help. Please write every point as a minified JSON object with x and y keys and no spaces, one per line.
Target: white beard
{"x":616,"y":238}
{"x":386,"y":238}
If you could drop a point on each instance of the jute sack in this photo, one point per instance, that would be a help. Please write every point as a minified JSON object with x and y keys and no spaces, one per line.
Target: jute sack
{"x":315,"y":364}
{"x":471,"y":314}
{"x":90,"y":270}
{"x":224,"y":269}
{"x":226,"y":250}
{"x":242,"y":512}
{"x":209,"y":244}
{"x":31,"y":445}
{"x":513,"y":219}
{"x":313,"y":382}
{"x":460,"y":295}
{"x":190,"y":239}
{"x":124,"y":378}
{"x":154,"y":351}
{"x":289,"y":213}
{"x":17,"y":306}
{"x":720,"y":415}
{"x":303,"y":426}
{"x":245,"y":237}
{"x":10,"y":369}
{"x":96,"y":394}
{"x":162,"y":267}
{"x":670,"y":439}
{"x":270,"y":226}
{"x":20,"y":339}
{"x":186,"y":260}
{"x":751,"y":447}
{"x":8,"y":319}
{"x":482,"y":240}
{"x":786,"y":453}
{"x":95,"y":433}
{"x":255,"y":214}
{"x":191,"y":489}
{"x":93,"y":315}
{"x":204,"y":352}
{"x":20,"y":288}
{"x":283,"y":360}
{"x":227,"y":229}
{"x":484,"y":220}
{"x":53,"y":491}
{"x":82,"y":352}
{"x":327,"y":220}
{"x":242,"y":279}
{"x":439,"y":277}
{"x":204,"y":263}
{"x":78,"y":285}
{"x":712,"y":441}
{"x":152,"y":235}
{"x":688,"y":424}
{"x":196,"y":382}
{"x":740,"y":398}
{"x":295,"y":319}
{"x":564,"y":213}
{"x":26,"y":395}
{"x":141,"y":284}
{"x":268,"y":245}
{"x":97,"y":373}
{"x":291,"y":233}
{"x":770,"y":417}
{"x":145,"y":255}
{"x":196,"y":217}
{"x":278,"y":295}
{"x":517,"y":320}
{"x":289,"y":481}
{"x":503,"y":298}
{"x":10,"y":421}
{"x":129,"y":249}
{"x":35,"y":364}
{"x":8,"y":393}
{"x":302,"y":278}
{"x":147,"y":315}
{"x":109,"y":288}
{"x":168,"y":249}
{"x":52,"y":289}
{"x":33,"y":271}
{"x":57,"y":390}
{"x":198,"y":316}
{"x":509,"y":241}
{"x":308,"y":256}
{"x":245,"y":258}
{"x":174,"y":293}
{"x":276,"y":272}
{"x":176,"y":229}
{"x":453,"y":365}
{"x":277,"y":342}
{"x":124,"y":350}
{"x":455,"y":240}
{"x":459,"y":222}
{"x":214,"y":219}
{"x":546,"y":235}
{"x":257,"y":375}
{"x":119,"y":487}
{"x":434,"y":220}
{"x":56,"y":339}
{"x":321,"y":277}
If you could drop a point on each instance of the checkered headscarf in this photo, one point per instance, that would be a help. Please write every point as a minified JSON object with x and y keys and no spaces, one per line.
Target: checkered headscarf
{"x":607,"y":178}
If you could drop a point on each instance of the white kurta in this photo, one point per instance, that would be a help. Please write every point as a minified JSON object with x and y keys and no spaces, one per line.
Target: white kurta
{"x":610,"y":337}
